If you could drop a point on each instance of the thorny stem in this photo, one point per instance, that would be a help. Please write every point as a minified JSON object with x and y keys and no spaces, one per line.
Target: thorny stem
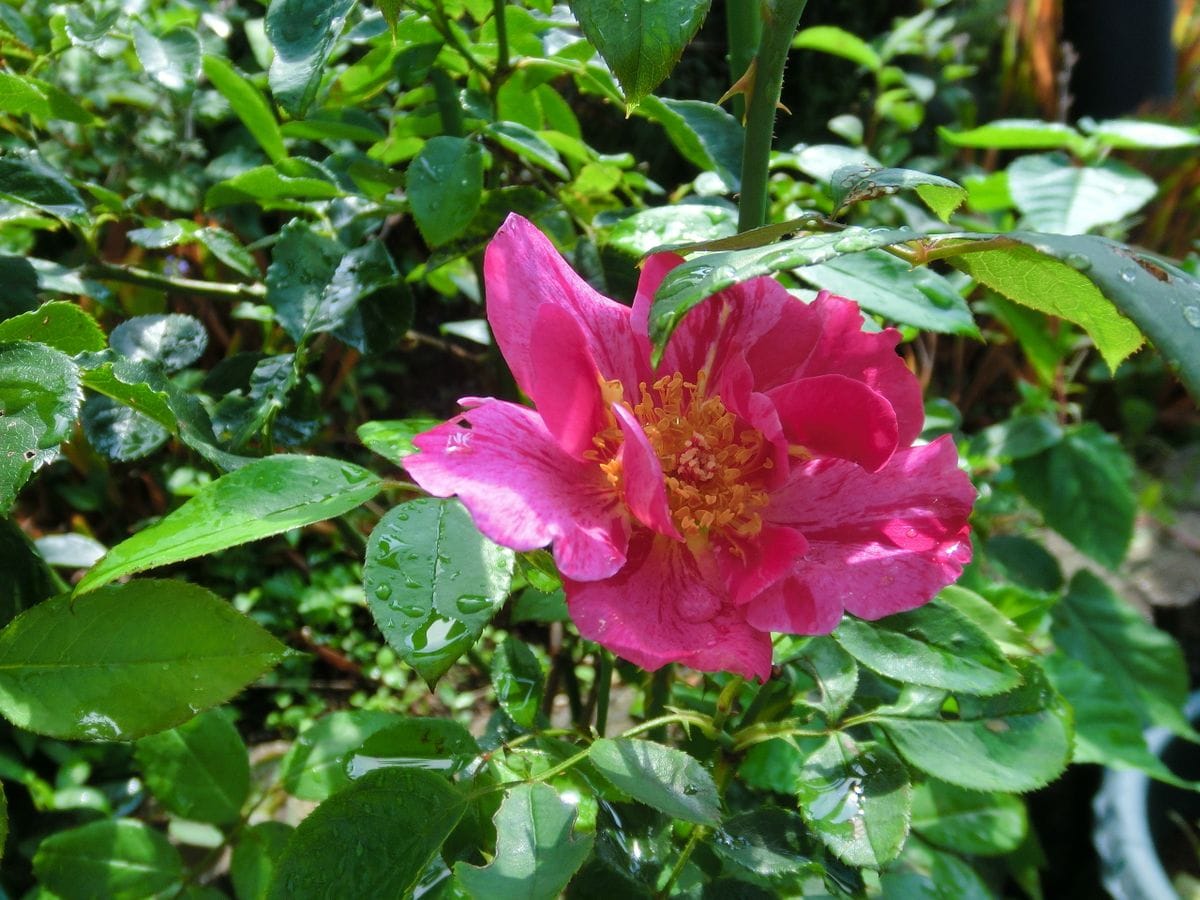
{"x":743,"y":27}
{"x":103,"y":271}
{"x":780,"y":18}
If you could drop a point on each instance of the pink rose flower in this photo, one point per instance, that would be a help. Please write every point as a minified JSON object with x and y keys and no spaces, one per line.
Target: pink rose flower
{"x":762,"y":478}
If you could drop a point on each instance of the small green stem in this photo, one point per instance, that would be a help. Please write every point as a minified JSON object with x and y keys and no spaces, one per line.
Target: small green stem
{"x":726,"y":700}
{"x":103,"y":271}
{"x":604,"y":671}
{"x":698,"y":831}
{"x":660,"y":692}
{"x":780,"y":18}
{"x":502,"y":64}
{"x":448,"y":106}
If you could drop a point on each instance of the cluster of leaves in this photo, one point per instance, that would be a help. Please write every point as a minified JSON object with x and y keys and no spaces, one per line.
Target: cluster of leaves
{"x":229,"y":234}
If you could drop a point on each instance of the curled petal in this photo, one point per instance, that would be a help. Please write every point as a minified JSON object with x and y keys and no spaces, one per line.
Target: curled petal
{"x":522,"y":490}
{"x":660,"y":609}
{"x":879,"y":543}
{"x":752,"y":565}
{"x":789,"y":606}
{"x":832,"y":415}
{"x":522,"y":272}
{"x":645,"y":487}
{"x":565,"y":381}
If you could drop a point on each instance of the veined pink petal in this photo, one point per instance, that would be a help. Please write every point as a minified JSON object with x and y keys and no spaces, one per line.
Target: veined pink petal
{"x":843,"y":348}
{"x":522,"y":489}
{"x":660,"y":609}
{"x":758,"y":562}
{"x":789,"y":606}
{"x":565,"y":381}
{"x":522,"y":272}
{"x":879,"y":543}
{"x":645,"y":488}
{"x":833,"y":415}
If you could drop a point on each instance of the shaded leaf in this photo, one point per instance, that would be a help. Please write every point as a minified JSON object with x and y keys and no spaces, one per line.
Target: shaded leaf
{"x":518,"y":681}
{"x":118,"y":858}
{"x":175,"y":341}
{"x":27,"y":579}
{"x":30,"y":181}
{"x":767,"y":841}
{"x":704,"y":134}
{"x":255,"y":856}
{"x":1056,"y":196}
{"x":118,"y":431}
{"x":315,"y":765}
{"x":974,"y":822}
{"x":303,"y":33}
{"x":445,"y":186}
{"x":663,"y":778}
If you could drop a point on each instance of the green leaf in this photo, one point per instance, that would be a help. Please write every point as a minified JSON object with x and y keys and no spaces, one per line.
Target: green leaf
{"x":392,"y":438}
{"x":172,"y":60}
{"x":1018,"y":134}
{"x":265,"y":497}
{"x":886,"y":285}
{"x":1016,"y":438}
{"x":303,"y":33}
{"x":438,"y":745}
{"x":688,"y":284}
{"x":993,"y":622}
{"x":445,"y":187}
{"x":1082,"y":487}
{"x":1057,"y":275}
{"x":1109,"y":725}
{"x":1136,"y":134}
{"x":58,"y":324}
{"x":40,"y":397}
{"x":1056,"y":196}
{"x":856,"y":183}
{"x":1139,"y":663}
{"x":838,"y":42}
{"x":21,"y":281}
{"x":374,"y":839}
{"x":641,"y":41}
{"x":315,"y":765}
{"x":832,"y":673}
{"x":526,"y":144}
{"x":19,"y":97}
{"x":660,"y":226}
{"x":1016,"y":742}
{"x":27,"y":578}
{"x":925,"y":873}
{"x":248,"y":104}
{"x":198,"y":770}
{"x":119,"y":432}
{"x":767,"y":841}
{"x":433,"y":582}
{"x":536,"y":854}
{"x":518,"y":681}
{"x":856,"y":799}
{"x":314,"y":284}
{"x":968,"y":821}
{"x":71,"y":550}
{"x":704,"y":134}
{"x":663,"y":778}
{"x":270,"y":189}
{"x":932,"y":645}
{"x":1024,"y":561}
{"x":255,"y":856}
{"x":175,"y":341}
{"x":119,"y":858}
{"x":31,"y":182}
{"x":127,"y":660}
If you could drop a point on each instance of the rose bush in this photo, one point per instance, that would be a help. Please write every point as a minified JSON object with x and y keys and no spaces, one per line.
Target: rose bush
{"x":762,"y":477}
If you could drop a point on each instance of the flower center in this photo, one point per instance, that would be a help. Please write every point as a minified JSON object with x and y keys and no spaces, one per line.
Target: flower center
{"x":710,"y":464}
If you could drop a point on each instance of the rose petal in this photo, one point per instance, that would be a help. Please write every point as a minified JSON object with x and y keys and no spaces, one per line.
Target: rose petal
{"x":645,"y":487}
{"x":522,"y":490}
{"x":832,"y":415}
{"x":790,"y":607}
{"x":565,"y":382}
{"x":879,"y":543}
{"x":750,"y":566}
{"x":522,"y":272}
{"x":660,"y":609}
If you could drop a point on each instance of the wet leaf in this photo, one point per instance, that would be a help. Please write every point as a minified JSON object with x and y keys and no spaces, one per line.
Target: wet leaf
{"x":127,"y":660}
{"x":856,"y":799}
{"x":518,"y":681}
{"x":767,"y":841}
{"x":110,"y":858}
{"x":40,"y":397}
{"x":856,"y":183}
{"x":392,"y":438}
{"x":433,"y":582}
{"x":663,"y":778}
{"x":175,"y":341}
{"x":173,"y":60}
{"x":640,"y":41}
{"x":373,"y":839}
{"x":315,"y":765}
{"x":198,"y":770}
{"x":120,"y":433}
{"x":265,"y":497}
{"x":445,"y":187}
{"x":436,"y":745}
{"x":303,"y":33}
{"x":536,"y":852}
{"x":649,"y":229}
